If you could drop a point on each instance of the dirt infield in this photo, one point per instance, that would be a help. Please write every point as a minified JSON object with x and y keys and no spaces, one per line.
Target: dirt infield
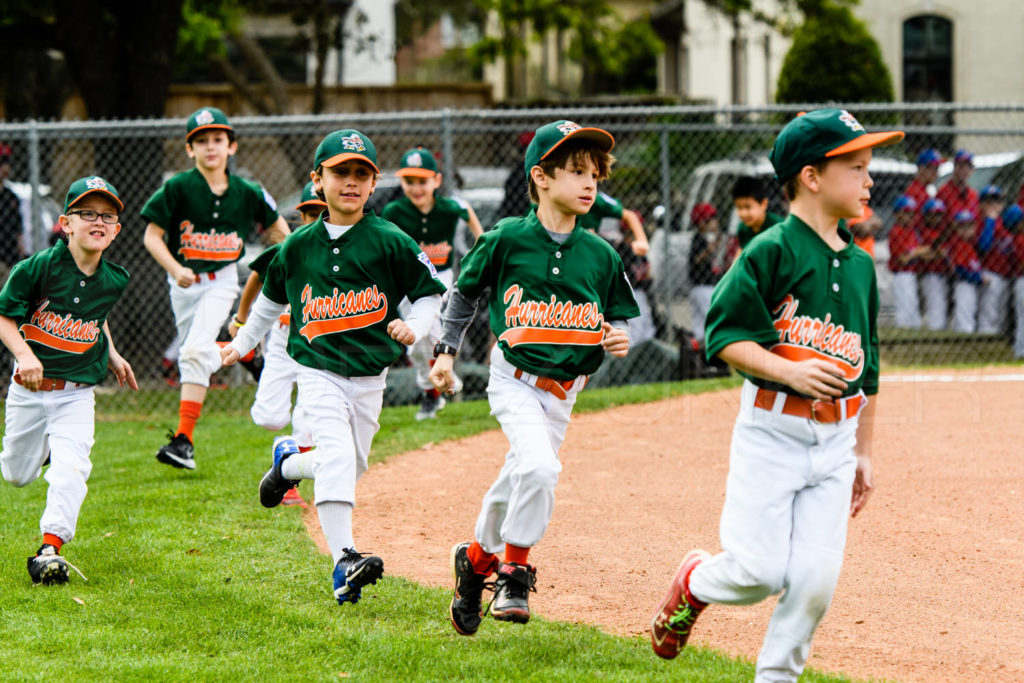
{"x":933,"y":584}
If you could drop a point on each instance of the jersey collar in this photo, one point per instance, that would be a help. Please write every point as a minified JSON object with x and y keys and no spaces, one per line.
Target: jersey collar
{"x":795,"y":223}
{"x":541,"y":231}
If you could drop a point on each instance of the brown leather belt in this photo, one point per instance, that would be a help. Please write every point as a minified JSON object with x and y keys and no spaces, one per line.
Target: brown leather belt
{"x":552,"y":386}
{"x":811,"y":409}
{"x":49,"y":384}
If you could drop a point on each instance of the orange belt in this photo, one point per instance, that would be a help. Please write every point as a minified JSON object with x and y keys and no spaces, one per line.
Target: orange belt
{"x":552,"y":386}
{"x":810,"y":409}
{"x":48,"y":384}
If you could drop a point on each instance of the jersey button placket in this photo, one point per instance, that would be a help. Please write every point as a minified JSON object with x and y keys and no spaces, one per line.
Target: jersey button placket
{"x":833,"y":277}
{"x":555,"y":265}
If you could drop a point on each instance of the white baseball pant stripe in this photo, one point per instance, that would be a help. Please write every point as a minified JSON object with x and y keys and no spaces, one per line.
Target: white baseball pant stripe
{"x":935,"y":289}
{"x":272,"y":408}
{"x":518,"y":506}
{"x":1018,"y":303}
{"x":59,"y":424}
{"x":965,"y":306}
{"x":341,"y":413}
{"x":700,"y":302}
{"x":199,"y":312}
{"x":783,"y":527}
{"x":993,"y":304}
{"x":905,"y":300}
{"x":422,"y":350}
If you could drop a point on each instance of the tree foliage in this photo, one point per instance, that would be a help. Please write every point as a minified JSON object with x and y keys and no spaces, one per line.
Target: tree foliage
{"x":833,"y":58}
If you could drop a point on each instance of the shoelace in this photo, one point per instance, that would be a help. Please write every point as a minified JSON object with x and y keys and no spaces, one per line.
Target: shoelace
{"x":521,"y":591}
{"x":683,"y":618}
{"x":77,"y":570}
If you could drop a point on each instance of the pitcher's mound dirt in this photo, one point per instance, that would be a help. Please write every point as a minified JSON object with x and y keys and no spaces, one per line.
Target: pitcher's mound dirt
{"x":932,"y":586}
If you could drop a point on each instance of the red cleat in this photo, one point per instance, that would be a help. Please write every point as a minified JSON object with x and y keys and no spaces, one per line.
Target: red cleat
{"x":673,"y":622}
{"x":293,"y":497}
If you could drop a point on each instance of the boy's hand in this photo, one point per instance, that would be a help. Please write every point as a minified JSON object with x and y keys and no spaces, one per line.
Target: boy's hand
{"x":30,"y":370}
{"x":863,"y":485}
{"x":185,"y":277}
{"x":640,"y":247}
{"x":441,"y":374}
{"x":122,"y":370}
{"x":616,"y":341}
{"x":815,"y":377}
{"x":232,"y":328}
{"x":401,"y":332}
{"x":228,"y":356}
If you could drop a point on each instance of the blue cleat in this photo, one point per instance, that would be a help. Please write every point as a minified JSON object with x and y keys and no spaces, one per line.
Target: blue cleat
{"x":353,"y":571}
{"x":273,"y":486}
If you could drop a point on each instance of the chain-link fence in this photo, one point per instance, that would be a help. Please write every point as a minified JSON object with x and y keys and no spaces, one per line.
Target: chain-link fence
{"x":937,"y":307}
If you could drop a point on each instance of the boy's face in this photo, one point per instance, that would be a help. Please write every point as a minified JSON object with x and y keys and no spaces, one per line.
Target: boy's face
{"x":346,"y":187}
{"x":904,"y":217}
{"x":420,"y":191}
{"x":845,"y":184}
{"x":932,"y":219}
{"x":710,"y":226}
{"x":211,"y":149}
{"x":571,"y":189}
{"x":310,"y":215}
{"x":928,"y":174}
{"x":991,"y":206}
{"x":965,"y":229}
{"x":751,"y":211}
{"x":962,"y":172}
{"x":95,"y":235}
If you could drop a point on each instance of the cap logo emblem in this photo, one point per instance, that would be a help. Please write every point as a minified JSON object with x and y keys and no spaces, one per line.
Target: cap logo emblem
{"x":568,"y":127}
{"x":851,"y":123}
{"x":204,"y":118}
{"x":353,"y":143}
{"x":414,"y":159}
{"x":95,"y":183}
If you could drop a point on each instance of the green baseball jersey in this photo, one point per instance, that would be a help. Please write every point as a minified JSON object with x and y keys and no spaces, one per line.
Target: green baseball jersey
{"x":548,"y":300}
{"x":260,"y":264}
{"x":60,"y":311}
{"x":604,"y":207}
{"x":796,"y":296}
{"x":205,"y":231}
{"x":344,"y":292}
{"x":435,"y":231}
{"x":745,"y":233}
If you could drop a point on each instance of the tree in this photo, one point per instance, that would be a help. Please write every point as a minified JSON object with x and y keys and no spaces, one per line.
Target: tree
{"x":833,"y":58}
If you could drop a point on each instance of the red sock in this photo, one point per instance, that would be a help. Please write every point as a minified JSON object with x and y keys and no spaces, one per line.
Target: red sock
{"x":50,"y":539}
{"x":483,"y":561}
{"x":516,"y":554}
{"x":188,"y":413}
{"x":432,"y":392}
{"x":305,"y":449}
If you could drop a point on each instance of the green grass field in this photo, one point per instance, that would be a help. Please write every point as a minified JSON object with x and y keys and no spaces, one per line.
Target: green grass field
{"x":190,"y":579}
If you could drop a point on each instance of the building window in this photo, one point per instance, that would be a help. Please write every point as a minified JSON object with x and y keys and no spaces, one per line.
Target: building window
{"x":927,"y":59}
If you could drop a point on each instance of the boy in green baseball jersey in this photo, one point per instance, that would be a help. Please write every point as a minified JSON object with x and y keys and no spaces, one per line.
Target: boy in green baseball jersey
{"x":432,"y":221}
{"x":606,"y":206}
{"x":751,"y":203}
{"x":559,"y":299}
{"x":796,"y":315}
{"x":205,"y":216}
{"x":53,"y":319}
{"x":343,"y":277}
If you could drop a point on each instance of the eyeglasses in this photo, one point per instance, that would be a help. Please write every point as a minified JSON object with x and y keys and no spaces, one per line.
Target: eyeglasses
{"x":90,"y":216}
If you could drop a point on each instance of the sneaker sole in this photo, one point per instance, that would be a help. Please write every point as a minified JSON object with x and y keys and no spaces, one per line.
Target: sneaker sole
{"x":670,"y":599}
{"x":53,"y":574}
{"x":366,"y":576}
{"x":270,"y":498}
{"x":175,"y":461}
{"x":451,"y":605}
{"x":516,"y":616}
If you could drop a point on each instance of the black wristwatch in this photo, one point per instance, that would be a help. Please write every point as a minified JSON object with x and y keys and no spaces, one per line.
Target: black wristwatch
{"x":441,"y":347}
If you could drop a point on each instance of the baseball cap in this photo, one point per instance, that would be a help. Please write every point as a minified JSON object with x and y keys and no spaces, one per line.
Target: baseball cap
{"x":962,"y":156}
{"x":342,"y":145}
{"x":206,"y":118}
{"x":964,"y":216}
{"x":929,"y":157}
{"x":934,"y":206}
{"x":308,"y":201}
{"x":1012,"y":216}
{"x":820,"y":134}
{"x":905,"y":203}
{"x":702,"y":212}
{"x":88,"y":185}
{"x":548,"y":137}
{"x":5,"y":151}
{"x":991,"y":192}
{"x":419,"y":163}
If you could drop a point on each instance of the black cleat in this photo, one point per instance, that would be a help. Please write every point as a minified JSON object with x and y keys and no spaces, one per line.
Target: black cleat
{"x":465,"y":611}
{"x":273,"y":485}
{"x":48,"y":567}
{"x":178,"y":453}
{"x":353,"y":571}
{"x":511,"y":592}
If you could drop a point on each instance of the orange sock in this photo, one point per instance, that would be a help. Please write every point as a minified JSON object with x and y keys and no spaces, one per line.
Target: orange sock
{"x":483,"y":561}
{"x":305,"y":449}
{"x":516,"y":554}
{"x":50,"y":539}
{"x":432,"y":392}
{"x":188,"y":413}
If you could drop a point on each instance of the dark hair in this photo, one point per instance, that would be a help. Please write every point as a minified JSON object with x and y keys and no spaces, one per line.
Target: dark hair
{"x":577,"y":152}
{"x":747,"y":186}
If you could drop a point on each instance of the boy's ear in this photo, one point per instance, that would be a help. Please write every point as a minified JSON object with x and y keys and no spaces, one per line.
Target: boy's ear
{"x":65,"y":224}
{"x":233,"y":147}
{"x":808,"y":176}
{"x":540,"y":178}
{"x":189,"y":151}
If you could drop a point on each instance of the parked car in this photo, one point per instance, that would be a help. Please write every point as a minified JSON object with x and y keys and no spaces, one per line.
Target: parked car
{"x":1005,"y":169}
{"x":712,"y":183}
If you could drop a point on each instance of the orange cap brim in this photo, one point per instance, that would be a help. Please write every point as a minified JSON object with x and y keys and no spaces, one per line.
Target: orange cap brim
{"x":346,"y":156}
{"x":118,"y":202}
{"x":415,"y":172}
{"x":597,"y":135}
{"x":312,"y":203}
{"x":868,"y":140}
{"x":213,"y":126}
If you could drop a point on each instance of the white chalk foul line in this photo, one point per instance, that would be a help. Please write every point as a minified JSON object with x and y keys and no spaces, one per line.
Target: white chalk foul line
{"x":952,"y":378}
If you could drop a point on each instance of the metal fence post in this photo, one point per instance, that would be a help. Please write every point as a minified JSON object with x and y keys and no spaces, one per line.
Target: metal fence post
{"x":38,"y":230}
{"x":447,"y":150}
{"x":666,"y":181}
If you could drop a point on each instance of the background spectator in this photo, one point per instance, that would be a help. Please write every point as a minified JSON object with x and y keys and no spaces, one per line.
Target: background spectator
{"x":995,"y":248}
{"x":11,"y":249}
{"x":922,"y":187}
{"x":707,"y":258}
{"x":906,"y":248}
{"x":967,"y":275}
{"x":956,"y":193}
{"x":933,"y":265}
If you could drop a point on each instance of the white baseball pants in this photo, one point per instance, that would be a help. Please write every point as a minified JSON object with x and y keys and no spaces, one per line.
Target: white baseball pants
{"x":783,"y":527}
{"x":199,"y":312}
{"x":421,"y":353}
{"x":935,"y":289}
{"x":965,"y":306}
{"x":272,"y":408}
{"x":700,"y":302}
{"x":993,"y":304}
{"x":518,"y":506}
{"x":59,"y":424}
{"x":341,"y":413}
{"x":904,"y":295}
{"x":1018,"y":303}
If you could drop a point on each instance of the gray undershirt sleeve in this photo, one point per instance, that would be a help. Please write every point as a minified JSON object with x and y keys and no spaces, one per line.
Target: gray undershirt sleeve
{"x":456,"y":317}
